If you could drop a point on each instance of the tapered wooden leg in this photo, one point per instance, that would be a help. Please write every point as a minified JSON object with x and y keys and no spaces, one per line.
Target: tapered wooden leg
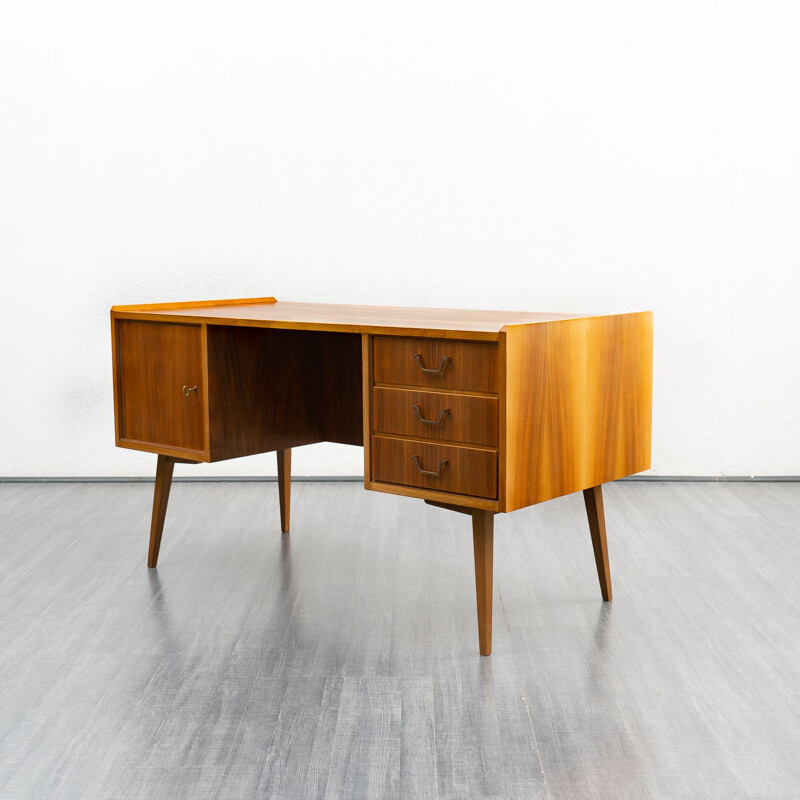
{"x":285,"y":486}
{"x":597,"y":526}
{"x":483,"y":544}
{"x":164,"y":470}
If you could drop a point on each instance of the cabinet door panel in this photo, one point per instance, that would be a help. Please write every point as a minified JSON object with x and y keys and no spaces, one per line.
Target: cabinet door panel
{"x":160,"y":364}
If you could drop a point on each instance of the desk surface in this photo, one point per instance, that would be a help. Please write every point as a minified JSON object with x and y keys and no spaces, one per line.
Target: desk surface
{"x":268,"y":313}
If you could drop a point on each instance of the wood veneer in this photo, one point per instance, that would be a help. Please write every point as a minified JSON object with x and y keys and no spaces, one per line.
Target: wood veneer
{"x":156,"y":361}
{"x":469,"y":470}
{"x":164,"y":469}
{"x":339,"y":397}
{"x":262,"y":390}
{"x":469,"y":419}
{"x":442,"y":323}
{"x":284,"y":486}
{"x":593,"y":498}
{"x":231,"y":405}
{"x":465,"y":366}
{"x":539,"y":405}
{"x":278,"y":389}
{"x":483,"y":550}
{"x":577,"y":405}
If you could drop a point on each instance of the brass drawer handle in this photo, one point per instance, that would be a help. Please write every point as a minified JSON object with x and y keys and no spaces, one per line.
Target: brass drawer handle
{"x":436,"y":474}
{"x":431,"y":421}
{"x":187,"y":390}
{"x":434,"y":371}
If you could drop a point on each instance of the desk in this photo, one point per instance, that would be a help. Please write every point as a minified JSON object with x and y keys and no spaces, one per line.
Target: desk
{"x":479,"y":412}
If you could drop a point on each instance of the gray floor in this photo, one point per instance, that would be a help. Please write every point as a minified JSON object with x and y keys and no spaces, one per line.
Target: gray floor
{"x":341,"y":661}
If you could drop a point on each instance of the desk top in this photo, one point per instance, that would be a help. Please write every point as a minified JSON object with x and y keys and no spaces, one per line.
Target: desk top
{"x":267,"y":312}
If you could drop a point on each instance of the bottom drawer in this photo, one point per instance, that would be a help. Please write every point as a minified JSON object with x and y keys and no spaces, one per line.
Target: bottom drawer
{"x":468,"y":470}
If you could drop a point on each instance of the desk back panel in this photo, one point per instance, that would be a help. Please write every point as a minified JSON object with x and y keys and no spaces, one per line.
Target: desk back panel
{"x":261,"y":394}
{"x":339,"y":381}
{"x":276,"y":389}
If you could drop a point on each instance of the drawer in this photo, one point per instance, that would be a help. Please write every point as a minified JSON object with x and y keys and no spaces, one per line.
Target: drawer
{"x":467,"y":470}
{"x":434,"y":415}
{"x":435,"y":363}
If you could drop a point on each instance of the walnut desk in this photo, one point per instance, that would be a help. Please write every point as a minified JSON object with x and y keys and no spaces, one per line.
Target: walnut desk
{"x":479,"y":412}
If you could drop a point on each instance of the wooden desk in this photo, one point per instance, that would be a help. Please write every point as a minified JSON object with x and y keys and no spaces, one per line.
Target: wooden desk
{"x":480,"y":412}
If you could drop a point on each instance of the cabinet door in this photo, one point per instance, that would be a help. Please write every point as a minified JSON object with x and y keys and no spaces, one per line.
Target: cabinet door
{"x":160,"y":385}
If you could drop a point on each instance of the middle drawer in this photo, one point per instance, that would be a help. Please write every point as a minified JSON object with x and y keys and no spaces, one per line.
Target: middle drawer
{"x":435,"y":415}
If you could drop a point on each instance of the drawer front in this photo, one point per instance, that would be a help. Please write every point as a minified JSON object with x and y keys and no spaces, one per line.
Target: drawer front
{"x":468,"y":470}
{"x":434,"y":415}
{"x":156,"y":361}
{"x":435,"y":363}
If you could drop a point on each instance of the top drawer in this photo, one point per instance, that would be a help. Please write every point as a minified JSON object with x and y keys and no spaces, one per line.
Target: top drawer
{"x":435,"y":363}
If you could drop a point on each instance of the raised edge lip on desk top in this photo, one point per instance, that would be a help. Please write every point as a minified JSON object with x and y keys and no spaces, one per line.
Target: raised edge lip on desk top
{"x":409,"y":320}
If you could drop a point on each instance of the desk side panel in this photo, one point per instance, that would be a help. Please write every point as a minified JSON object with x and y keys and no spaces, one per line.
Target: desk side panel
{"x":578,"y":405}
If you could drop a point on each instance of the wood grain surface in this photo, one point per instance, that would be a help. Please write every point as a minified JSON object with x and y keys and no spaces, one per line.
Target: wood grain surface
{"x":266,"y":312}
{"x":465,"y":366}
{"x":469,"y":419}
{"x":573,"y":396}
{"x":285,"y":487}
{"x":595,"y":512}
{"x":337,"y":368}
{"x":578,"y":400}
{"x":483,"y":549}
{"x":156,"y":361}
{"x":277,"y":389}
{"x":264,"y":389}
{"x":439,"y":496}
{"x":164,"y":469}
{"x":469,"y":470}
{"x":201,"y":304}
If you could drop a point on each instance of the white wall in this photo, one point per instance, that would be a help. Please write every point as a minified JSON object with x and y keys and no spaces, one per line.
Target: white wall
{"x":548,"y":156}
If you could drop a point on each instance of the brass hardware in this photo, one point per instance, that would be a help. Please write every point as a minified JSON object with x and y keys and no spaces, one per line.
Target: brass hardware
{"x":434,"y":371}
{"x":431,"y":421}
{"x":436,"y":474}
{"x":187,"y":390}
